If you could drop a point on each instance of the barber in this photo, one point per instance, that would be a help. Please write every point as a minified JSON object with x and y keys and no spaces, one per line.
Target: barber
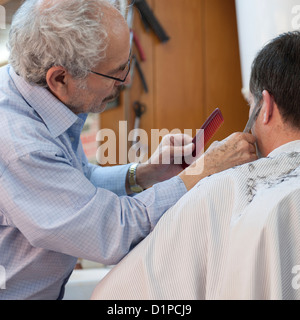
{"x":67,"y":59}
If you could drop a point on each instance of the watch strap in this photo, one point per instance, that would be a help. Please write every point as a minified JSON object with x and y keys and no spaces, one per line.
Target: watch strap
{"x":134,"y":187}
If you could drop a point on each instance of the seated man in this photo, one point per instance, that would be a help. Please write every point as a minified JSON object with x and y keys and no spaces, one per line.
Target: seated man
{"x":236,"y":235}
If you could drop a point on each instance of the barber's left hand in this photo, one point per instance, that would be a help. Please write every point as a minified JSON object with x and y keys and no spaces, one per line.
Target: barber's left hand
{"x":166,"y":161}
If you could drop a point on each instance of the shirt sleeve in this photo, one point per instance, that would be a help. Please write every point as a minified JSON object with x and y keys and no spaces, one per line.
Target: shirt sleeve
{"x":109,"y":178}
{"x":56,"y":207}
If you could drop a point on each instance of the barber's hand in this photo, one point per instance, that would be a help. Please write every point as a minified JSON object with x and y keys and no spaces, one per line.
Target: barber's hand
{"x":235,"y":150}
{"x":166,"y":162}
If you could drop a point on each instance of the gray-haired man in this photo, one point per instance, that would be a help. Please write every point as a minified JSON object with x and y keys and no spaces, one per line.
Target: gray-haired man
{"x":67,"y":59}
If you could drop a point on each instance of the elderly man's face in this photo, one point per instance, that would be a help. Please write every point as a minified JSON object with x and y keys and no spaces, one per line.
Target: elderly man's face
{"x":100,"y":90}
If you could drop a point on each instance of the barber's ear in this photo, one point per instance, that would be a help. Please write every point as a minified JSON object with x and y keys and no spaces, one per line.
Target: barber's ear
{"x":268,"y":107}
{"x":57,"y":80}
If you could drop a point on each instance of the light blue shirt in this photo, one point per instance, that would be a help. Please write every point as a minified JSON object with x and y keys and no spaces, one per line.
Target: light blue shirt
{"x":54,"y":205}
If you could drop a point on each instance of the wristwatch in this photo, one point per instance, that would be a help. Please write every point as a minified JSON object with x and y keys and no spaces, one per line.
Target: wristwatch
{"x":134,"y":187}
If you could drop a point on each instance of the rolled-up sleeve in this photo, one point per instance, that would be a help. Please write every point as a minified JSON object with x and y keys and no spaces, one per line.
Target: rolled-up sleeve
{"x":56,"y":207}
{"x":109,"y":178}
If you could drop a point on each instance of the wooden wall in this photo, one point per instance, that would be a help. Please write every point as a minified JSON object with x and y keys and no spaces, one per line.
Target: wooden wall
{"x":189,"y":76}
{"x":192,"y":74}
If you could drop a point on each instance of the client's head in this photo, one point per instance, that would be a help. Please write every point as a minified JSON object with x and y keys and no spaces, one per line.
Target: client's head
{"x":275,"y":88}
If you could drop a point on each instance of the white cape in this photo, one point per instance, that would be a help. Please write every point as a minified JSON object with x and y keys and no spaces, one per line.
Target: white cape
{"x":236,"y":235}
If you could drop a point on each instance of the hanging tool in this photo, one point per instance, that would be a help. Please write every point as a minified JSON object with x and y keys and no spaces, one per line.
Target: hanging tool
{"x":139,"y":110}
{"x":141,"y":73}
{"x":139,"y":46}
{"x":136,"y":65}
{"x":151,"y":20}
{"x":130,"y":19}
{"x":127,"y":99}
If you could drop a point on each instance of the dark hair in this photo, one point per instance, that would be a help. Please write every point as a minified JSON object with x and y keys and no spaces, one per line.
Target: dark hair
{"x":277,"y":70}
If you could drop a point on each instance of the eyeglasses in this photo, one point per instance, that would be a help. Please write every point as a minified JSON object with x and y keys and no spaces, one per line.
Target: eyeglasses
{"x":125,"y":72}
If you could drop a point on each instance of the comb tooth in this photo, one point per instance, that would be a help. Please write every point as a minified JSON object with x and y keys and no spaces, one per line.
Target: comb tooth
{"x":210,"y":127}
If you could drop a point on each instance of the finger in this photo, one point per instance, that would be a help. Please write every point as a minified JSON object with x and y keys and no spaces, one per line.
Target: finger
{"x":182,"y":139}
{"x":240,"y":136}
{"x":171,"y":140}
{"x":249,"y":137}
{"x":252,"y":157}
{"x":187,"y":139}
{"x":252,"y":148}
{"x":189,"y":149}
{"x":180,"y":151}
{"x":245,"y":146}
{"x":215,"y":144}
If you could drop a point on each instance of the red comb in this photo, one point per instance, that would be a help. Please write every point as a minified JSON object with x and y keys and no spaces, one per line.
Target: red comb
{"x":210,"y":127}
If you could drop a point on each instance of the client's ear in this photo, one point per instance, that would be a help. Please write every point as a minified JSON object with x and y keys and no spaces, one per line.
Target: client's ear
{"x":268,"y":107}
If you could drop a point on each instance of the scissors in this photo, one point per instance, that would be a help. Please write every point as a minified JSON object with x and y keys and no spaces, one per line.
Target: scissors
{"x":252,"y":119}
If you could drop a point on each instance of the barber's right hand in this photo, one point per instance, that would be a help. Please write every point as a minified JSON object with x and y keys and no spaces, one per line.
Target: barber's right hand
{"x":237,"y":149}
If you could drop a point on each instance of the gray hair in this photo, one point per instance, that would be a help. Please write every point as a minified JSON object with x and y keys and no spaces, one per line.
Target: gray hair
{"x":57,"y":33}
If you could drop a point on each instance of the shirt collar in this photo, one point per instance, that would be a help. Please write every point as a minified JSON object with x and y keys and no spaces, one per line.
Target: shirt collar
{"x":293,"y":146}
{"x":57,"y":116}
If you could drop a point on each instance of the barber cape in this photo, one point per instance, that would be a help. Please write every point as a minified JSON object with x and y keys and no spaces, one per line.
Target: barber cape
{"x":236,"y":235}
